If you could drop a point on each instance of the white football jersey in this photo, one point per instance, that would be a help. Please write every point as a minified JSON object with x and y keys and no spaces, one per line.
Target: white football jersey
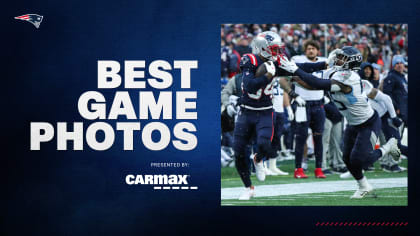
{"x":277,"y":97}
{"x":353,"y":106}
{"x":306,"y":94}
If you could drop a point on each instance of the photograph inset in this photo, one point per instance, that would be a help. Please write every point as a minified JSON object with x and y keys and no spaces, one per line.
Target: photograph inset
{"x":314,"y":114}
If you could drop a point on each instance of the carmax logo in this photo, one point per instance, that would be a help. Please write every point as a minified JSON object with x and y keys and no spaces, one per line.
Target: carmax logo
{"x":160,"y":181}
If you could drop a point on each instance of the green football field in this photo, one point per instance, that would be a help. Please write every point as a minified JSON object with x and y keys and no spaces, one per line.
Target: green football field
{"x":390,"y":189}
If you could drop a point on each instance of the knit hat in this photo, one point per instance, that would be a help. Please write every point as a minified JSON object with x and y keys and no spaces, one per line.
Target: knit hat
{"x":397,"y":59}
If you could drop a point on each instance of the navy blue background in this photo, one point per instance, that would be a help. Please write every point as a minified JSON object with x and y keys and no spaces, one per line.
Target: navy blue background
{"x":45,"y":71}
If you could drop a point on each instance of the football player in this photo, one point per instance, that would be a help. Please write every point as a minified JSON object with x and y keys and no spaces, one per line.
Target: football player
{"x":256,"y":114}
{"x":364,"y":123}
{"x":280,"y":101}
{"x":315,"y":116}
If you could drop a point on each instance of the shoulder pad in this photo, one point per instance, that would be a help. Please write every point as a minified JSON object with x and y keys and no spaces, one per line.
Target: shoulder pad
{"x":328,"y":73}
{"x":249,"y":59}
{"x":341,"y":75}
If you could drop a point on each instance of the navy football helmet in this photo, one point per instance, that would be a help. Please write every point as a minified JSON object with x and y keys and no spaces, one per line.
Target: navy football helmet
{"x":348,"y":58}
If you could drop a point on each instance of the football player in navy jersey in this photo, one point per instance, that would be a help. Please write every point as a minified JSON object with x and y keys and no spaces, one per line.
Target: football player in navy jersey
{"x":256,"y":114}
{"x":315,"y":115}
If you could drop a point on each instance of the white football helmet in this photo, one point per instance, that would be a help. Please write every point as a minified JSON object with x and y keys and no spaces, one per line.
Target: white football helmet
{"x":267,"y":44}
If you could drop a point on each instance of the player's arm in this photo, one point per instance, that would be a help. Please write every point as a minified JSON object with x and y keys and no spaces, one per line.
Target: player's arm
{"x":285,"y":85}
{"x":286,"y":105}
{"x":338,"y":86}
{"x":372,"y":94}
{"x":312,"y":67}
{"x":324,"y":84}
{"x":286,"y":100}
{"x":313,"y":81}
{"x":300,"y":82}
{"x":307,"y":67}
{"x":251,"y":83}
{"x":308,"y":78}
{"x":385,"y":99}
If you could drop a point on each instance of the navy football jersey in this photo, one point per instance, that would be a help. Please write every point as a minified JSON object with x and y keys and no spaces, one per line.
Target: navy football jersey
{"x":257,"y":92}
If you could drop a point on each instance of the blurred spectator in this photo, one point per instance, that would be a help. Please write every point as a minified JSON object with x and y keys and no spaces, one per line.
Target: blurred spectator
{"x":396,"y":86}
{"x":377,"y":42}
{"x":366,"y":72}
{"x":242,"y":46}
{"x":230,"y":59}
{"x":294,"y":48}
{"x":377,"y":76}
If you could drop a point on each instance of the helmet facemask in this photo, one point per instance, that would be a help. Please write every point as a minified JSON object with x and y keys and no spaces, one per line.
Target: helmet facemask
{"x":342,"y":61}
{"x":273,"y":52}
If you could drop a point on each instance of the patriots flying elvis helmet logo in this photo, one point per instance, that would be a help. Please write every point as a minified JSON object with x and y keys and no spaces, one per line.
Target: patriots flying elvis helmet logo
{"x":32,"y":18}
{"x":269,"y":37}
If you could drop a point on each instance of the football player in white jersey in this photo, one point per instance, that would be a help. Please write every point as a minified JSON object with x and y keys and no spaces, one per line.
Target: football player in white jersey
{"x":280,"y":101}
{"x":314,"y":115}
{"x":364,"y":123}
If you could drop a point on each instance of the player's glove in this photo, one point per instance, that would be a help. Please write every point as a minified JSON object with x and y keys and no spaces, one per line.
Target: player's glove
{"x":287,"y":65}
{"x":231,"y":111}
{"x":331,"y":58}
{"x":290,"y":115}
{"x":300,"y":101}
{"x":396,"y":122}
{"x":269,"y":66}
{"x":297,"y":98}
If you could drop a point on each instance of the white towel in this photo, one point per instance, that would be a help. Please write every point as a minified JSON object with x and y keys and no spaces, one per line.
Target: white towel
{"x":300,"y":114}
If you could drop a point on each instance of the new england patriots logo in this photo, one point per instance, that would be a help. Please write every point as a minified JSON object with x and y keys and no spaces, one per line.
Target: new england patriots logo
{"x":269,"y":38}
{"x":32,"y":18}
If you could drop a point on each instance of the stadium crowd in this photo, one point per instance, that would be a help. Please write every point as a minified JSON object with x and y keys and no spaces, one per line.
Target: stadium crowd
{"x":384,"y":51}
{"x":377,"y":42}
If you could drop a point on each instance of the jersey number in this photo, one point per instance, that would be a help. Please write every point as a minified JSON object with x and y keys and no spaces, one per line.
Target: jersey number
{"x":267,"y":91}
{"x":276,"y":90}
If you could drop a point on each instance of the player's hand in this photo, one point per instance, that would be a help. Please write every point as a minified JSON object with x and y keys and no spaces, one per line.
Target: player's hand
{"x":290,"y":115}
{"x":300,"y":101}
{"x":269,"y":66}
{"x":397,"y":122}
{"x":331,"y":58}
{"x":287,"y":65}
{"x":231,"y":111}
